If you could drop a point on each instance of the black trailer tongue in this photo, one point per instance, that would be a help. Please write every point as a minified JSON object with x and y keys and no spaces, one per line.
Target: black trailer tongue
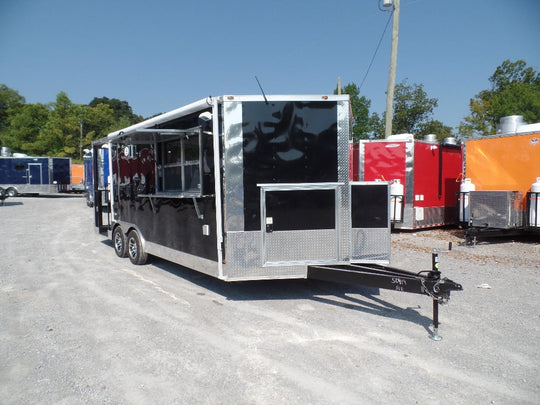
{"x":427,"y":282}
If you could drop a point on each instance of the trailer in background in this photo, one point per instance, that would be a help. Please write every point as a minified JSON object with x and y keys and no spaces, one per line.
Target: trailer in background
{"x":21,"y":174}
{"x":88,"y":179}
{"x":353,"y":161}
{"x":99,"y":171}
{"x":77,"y":178}
{"x":424,"y":177}
{"x":251,"y":188}
{"x":504,"y":170}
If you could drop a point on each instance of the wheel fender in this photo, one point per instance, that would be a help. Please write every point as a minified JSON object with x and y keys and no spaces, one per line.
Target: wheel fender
{"x":141,"y":235}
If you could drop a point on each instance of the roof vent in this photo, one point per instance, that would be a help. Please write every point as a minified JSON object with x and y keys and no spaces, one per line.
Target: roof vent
{"x":430,"y":138}
{"x":510,"y":124}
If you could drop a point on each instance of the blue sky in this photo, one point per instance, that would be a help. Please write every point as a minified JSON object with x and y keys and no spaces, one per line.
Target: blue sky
{"x":159,"y":55}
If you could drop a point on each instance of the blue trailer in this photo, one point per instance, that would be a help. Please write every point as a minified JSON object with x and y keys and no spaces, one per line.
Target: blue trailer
{"x":102,"y":167}
{"x":35,"y":175}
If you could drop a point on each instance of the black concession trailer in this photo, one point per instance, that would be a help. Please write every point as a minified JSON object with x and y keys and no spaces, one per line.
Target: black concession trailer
{"x":250,"y":188}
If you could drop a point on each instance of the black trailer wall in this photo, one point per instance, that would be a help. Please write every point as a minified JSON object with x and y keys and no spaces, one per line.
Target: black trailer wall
{"x":170,"y":221}
{"x":288,"y":142}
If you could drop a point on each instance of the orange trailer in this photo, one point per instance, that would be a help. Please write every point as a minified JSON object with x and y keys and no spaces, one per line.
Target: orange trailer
{"x":77,"y":178}
{"x":503,"y":169}
{"x":503,"y":162}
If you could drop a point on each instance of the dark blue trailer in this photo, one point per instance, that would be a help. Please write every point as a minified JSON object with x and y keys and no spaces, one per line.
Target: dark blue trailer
{"x":88,"y":180}
{"x":35,"y":175}
{"x":102,"y":167}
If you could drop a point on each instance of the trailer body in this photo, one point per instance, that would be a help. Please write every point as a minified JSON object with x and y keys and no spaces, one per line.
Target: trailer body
{"x":503,"y":169}
{"x":260,"y":190}
{"x":88,"y":179}
{"x":428,"y":173}
{"x":35,"y":175}
{"x":251,"y":188}
{"x":96,"y":173}
{"x":353,"y":161}
{"x":77,"y":178}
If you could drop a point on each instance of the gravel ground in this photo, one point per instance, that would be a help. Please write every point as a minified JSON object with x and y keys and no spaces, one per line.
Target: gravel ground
{"x":79,"y":325}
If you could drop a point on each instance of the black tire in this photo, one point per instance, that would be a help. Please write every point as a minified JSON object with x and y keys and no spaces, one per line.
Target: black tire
{"x":12,"y":192}
{"x":135,"y":250}
{"x":119,"y":242}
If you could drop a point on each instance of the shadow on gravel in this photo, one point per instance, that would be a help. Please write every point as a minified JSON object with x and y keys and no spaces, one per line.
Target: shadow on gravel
{"x":61,"y":195}
{"x":10,"y":203}
{"x":299,"y":289}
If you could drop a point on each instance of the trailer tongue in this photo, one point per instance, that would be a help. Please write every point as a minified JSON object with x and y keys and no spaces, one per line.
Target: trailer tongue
{"x":427,"y":282}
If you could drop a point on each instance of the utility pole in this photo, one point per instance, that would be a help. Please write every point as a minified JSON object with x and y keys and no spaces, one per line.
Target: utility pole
{"x":392,"y":72}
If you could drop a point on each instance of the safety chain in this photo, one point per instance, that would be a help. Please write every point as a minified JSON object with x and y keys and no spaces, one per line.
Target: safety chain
{"x":442,"y":300}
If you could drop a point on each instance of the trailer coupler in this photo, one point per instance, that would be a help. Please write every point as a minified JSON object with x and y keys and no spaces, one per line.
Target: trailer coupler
{"x":427,"y":282}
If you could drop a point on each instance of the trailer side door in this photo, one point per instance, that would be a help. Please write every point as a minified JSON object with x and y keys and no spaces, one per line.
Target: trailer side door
{"x":300,"y":223}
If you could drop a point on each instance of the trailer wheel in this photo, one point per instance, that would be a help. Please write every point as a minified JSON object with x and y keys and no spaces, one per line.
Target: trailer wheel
{"x":12,"y":192}
{"x":135,"y":251}
{"x":119,"y":242}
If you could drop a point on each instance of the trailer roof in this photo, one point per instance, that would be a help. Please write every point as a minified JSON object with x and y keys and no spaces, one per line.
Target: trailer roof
{"x":208,"y":102}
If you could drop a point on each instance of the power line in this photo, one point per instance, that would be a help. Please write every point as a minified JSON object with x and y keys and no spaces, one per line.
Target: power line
{"x":376,"y":50}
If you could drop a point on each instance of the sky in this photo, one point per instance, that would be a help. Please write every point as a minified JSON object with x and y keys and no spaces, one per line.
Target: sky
{"x":162,"y":54}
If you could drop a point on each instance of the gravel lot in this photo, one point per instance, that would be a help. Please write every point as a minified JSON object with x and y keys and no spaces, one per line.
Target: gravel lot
{"x":79,"y":325}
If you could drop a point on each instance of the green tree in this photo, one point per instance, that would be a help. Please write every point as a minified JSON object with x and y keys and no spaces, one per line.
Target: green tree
{"x":361,"y":124}
{"x":24,"y":128}
{"x":121,"y":109}
{"x":61,"y":134}
{"x":378,"y":125}
{"x":123,"y":122}
{"x":11,"y":103}
{"x":435,"y":127}
{"x":97,"y":122}
{"x":412,"y":108}
{"x":515,"y":90}
{"x":412,"y":112}
{"x":61,"y":128}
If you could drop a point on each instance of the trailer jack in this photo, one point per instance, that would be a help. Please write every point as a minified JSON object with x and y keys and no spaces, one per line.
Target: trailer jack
{"x":427,"y":282}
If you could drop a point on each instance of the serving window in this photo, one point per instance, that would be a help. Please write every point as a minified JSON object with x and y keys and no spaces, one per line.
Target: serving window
{"x":179,"y":164}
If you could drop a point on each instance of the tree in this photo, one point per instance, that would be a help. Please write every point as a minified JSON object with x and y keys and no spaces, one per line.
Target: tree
{"x":412,"y":108}
{"x":24,"y":128}
{"x":121,"y":109}
{"x":10,"y":104}
{"x":61,"y":134}
{"x":361,"y":124}
{"x":435,"y":127}
{"x":412,"y":112}
{"x":96,"y":121}
{"x":515,"y":90}
{"x":61,"y":128}
{"x":378,"y":125}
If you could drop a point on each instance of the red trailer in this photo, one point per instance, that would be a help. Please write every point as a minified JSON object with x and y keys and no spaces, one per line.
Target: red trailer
{"x":353,"y":161}
{"x":424,"y":177}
